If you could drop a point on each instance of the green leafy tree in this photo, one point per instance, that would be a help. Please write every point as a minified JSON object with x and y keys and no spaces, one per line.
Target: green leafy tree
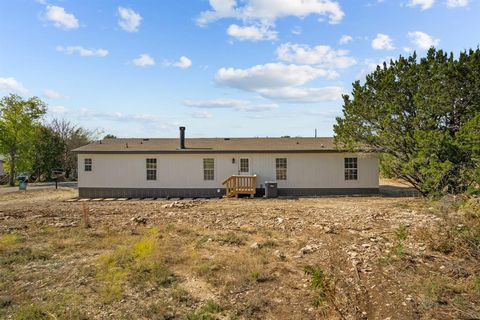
{"x":19,"y":120}
{"x":422,"y":116}
{"x":72,"y":137}
{"x":48,"y":151}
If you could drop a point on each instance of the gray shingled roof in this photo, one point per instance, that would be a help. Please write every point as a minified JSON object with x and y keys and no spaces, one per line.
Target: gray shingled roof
{"x":210,"y":145}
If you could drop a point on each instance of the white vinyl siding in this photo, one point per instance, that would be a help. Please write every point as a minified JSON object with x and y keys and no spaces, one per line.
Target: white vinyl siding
{"x":305,"y":170}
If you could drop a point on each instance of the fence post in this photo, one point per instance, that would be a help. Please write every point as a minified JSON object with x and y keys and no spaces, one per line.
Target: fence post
{"x":86,"y":218}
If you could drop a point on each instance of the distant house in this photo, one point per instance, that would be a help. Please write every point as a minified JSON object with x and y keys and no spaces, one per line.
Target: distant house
{"x":198,"y":167}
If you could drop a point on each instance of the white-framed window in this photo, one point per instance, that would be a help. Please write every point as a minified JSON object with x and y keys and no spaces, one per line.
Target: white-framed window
{"x":151,"y":165}
{"x":281,"y":168}
{"x":244,"y":165}
{"x":208,"y":169}
{"x":351,"y":169}
{"x":88,"y":165}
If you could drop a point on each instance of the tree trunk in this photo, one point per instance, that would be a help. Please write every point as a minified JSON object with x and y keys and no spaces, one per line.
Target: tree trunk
{"x":11,"y":181}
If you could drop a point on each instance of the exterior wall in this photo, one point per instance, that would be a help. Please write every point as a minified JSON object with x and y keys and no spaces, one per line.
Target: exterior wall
{"x":310,"y":172}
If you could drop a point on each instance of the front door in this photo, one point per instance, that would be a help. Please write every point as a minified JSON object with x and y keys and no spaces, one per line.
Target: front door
{"x":244,"y":164}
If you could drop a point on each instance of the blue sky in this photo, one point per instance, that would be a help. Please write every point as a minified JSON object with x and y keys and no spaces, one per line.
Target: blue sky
{"x":141,"y":68}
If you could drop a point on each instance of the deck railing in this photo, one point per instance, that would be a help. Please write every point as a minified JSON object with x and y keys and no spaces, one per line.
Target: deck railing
{"x":236,"y":185}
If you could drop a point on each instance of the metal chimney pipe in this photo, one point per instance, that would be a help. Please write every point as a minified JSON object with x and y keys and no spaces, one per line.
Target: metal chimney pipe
{"x":182,"y":137}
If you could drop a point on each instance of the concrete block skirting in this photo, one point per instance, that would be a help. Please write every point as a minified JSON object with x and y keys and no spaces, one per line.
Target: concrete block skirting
{"x":211,"y":193}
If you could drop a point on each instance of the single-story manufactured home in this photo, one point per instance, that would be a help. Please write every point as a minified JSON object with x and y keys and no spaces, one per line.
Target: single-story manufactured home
{"x":201,"y":167}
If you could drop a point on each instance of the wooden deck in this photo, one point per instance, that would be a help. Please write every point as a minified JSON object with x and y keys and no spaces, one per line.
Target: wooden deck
{"x":237,"y":185}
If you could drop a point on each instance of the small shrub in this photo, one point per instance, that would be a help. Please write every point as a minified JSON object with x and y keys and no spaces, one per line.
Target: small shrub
{"x":201,"y":241}
{"x":232,"y":238}
{"x":22,"y":256}
{"x":13,"y":253}
{"x":7,"y":240}
{"x":205,"y":312}
{"x":212,"y":307}
{"x":255,"y":275}
{"x":270,"y":243}
{"x":61,"y":305}
{"x":401,"y":233}
{"x":431,"y":289}
{"x":141,"y":263}
{"x":155,"y":273}
{"x":182,"y":296}
{"x":33,"y":312}
{"x":206,"y":269}
{"x":258,"y":276}
{"x":459,"y":233}
{"x":254,"y":306}
{"x":445,"y":244}
{"x":156,"y":310}
{"x":397,"y":250}
{"x":476,"y":284}
{"x":320,"y":284}
{"x":437,"y":291}
{"x":199,"y":316}
{"x":5,"y":302}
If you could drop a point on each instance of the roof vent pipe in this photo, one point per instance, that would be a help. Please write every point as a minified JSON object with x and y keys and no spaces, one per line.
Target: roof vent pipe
{"x":182,"y":137}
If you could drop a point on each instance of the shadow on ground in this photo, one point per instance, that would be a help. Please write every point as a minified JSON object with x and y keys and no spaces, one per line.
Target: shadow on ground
{"x":398,"y":191}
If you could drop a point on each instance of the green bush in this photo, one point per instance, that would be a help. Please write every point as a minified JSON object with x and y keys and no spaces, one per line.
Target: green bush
{"x":320,"y":284}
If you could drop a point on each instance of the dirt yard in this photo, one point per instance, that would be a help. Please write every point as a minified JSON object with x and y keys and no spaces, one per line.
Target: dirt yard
{"x":312,"y":258}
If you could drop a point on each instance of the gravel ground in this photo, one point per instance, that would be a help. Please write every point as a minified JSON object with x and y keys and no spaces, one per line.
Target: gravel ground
{"x":249,"y":256}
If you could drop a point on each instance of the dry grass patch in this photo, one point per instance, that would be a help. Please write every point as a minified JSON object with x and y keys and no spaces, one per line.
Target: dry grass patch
{"x":142,"y":263}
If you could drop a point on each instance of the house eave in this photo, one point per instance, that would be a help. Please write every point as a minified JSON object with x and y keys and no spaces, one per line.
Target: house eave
{"x":186,"y":151}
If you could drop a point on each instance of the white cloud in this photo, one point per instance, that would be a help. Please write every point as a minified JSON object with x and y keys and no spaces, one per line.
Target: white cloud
{"x":11,"y":84}
{"x":183,"y":63}
{"x":84,"y":52}
{"x":382,"y":42}
{"x":457,"y":3}
{"x":61,"y":18}
{"x":239,"y":105}
{"x":58,"y":109}
{"x":278,"y":81}
{"x":271,"y":75}
{"x":297,"y":30}
{"x":89,"y":114}
{"x":252,"y":33}
{"x":422,"y":40}
{"x":303,"y":95}
{"x":323,"y":56}
{"x":201,"y":114}
{"x":423,"y":4}
{"x":52,"y":94}
{"x":129,"y":19}
{"x":325,"y":114}
{"x":144,"y":60}
{"x":345,"y":39}
{"x":270,"y":10}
